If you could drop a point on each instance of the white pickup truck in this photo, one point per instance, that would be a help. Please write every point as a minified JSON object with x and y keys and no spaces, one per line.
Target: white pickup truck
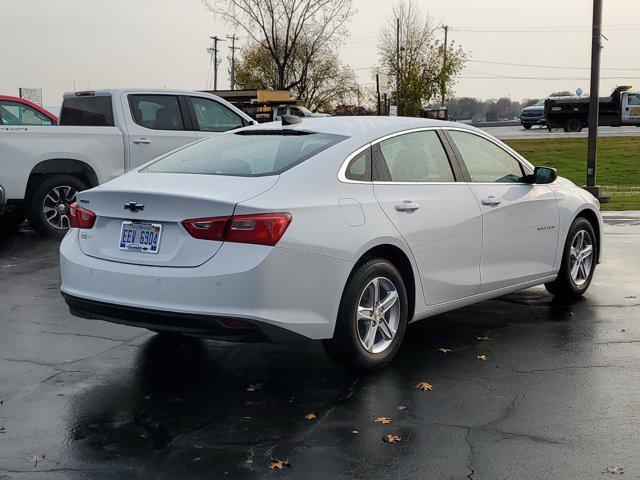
{"x":101,"y":135}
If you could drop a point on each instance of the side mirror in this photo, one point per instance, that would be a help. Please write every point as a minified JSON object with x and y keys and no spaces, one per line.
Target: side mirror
{"x":543,"y":175}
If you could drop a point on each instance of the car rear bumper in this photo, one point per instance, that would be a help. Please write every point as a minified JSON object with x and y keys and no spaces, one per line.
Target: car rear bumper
{"x":263,"y":286}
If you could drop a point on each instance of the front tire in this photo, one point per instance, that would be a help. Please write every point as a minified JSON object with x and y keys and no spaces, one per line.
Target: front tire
{"x":372,"y":317}
{"x":578,"y":261}
{"x":527,"y":126}
{"x":573,"y":125}
{"x":50,"y":203}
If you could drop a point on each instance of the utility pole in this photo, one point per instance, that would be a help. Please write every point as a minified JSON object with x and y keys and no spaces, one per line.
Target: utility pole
{"x":398,"y":66}
{"x":443,"y":83}
{"x":214,"y":52}
{"x":233,"y":49}
{"x":594,"y":106}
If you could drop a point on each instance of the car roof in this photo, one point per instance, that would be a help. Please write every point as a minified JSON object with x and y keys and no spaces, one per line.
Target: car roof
{"x":159,"y":91}
{"x":29,"y":103}
{"x":356,"y":126}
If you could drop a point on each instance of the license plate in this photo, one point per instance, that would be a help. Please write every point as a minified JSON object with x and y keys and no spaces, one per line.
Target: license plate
{"x":140,"y":237}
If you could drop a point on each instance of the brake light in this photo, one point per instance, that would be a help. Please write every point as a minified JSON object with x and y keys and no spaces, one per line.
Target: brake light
{"x":80,"y":217}
{"x":260,"y":229}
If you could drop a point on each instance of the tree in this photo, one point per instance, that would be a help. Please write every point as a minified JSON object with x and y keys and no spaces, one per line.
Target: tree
{"x":291,"y":31}
{"x":326,"y":81}
{"x":563,"y":93}
{"x":422,"y":67}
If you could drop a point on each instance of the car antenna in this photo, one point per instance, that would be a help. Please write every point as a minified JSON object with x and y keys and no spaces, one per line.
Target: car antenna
{"x":290,"y":120}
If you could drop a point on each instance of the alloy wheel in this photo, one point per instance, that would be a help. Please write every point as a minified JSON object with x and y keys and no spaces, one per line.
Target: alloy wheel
{"x":581,"y":257}
{"x":55,"y":206}
{"x":378,"y":315}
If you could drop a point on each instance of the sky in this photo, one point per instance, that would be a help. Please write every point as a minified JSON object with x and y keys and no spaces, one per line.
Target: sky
{"x":62,"y":45}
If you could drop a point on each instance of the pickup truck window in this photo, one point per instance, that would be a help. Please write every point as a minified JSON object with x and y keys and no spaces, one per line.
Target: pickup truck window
{"x":13,"y":113}
{"x":89,"y":111}
{"x":247,"y":153}
{"x":157,"y":112}
{"x":211,"y":116}
{"x":634,"y":99}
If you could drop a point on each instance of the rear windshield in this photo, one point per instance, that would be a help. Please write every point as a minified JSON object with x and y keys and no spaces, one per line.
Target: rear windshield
{"x":248,"y":153}
{"x":90,"y":111}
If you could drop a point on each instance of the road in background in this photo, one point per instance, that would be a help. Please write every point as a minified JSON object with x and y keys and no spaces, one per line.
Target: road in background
{"x":514,"y":132}
{"x":555,"y":397}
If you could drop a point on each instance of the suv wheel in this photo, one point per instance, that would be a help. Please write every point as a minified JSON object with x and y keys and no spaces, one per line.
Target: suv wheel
{"x":573,"y":125}
{"x":50,"y":204}
{"x":372,"y":318}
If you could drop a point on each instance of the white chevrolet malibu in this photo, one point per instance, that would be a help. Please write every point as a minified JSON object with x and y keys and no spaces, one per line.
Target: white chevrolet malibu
{"x":338,"y":229}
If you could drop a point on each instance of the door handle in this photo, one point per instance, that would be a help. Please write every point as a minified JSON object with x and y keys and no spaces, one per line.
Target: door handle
{"x":142,"y":141}
{"x":491,"y":201}
{"x":407,"y":206}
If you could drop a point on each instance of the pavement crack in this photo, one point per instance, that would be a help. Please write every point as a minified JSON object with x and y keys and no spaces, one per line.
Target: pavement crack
{"x":573,"y":367}
{"x":83,"y":335}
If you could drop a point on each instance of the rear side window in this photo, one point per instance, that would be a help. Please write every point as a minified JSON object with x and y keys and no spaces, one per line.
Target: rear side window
{"x":89,"y":111}
{"x":212,"y":116}
{"x":413,"y":157}
{"x":13,"y":113}
{"x":157,"y":112}
{"x":246,"y":154}
{"x":486,"y":162}
{"x":359,"y":167}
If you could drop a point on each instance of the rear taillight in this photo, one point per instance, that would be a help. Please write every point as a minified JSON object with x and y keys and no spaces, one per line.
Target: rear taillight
{"x":261,"y":229}
{"x":80,"y":217}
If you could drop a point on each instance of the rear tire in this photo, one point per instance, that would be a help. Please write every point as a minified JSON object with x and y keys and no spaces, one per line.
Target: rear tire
{"x":526,"y":126}
{"x":369,"y":332}
{"x":573,"y":125}
{"x":50,"y":202}
{"x":573,"y":281}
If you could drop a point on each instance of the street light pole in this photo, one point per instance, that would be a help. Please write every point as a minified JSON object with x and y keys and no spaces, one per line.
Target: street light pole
{"x":594,"y":104}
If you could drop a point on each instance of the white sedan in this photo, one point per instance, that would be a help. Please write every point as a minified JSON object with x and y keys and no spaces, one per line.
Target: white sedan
{"x":338,"y":229}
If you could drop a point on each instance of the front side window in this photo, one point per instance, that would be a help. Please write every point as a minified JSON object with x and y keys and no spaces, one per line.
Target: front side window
{"x":247,"y":153}
{"x":14,"y":113}
{"x":413,"y":157}
{"x":157,"y":112}
{"x":634,"y":99}
{"x":214,"y":117}
{"x":485,"y":161}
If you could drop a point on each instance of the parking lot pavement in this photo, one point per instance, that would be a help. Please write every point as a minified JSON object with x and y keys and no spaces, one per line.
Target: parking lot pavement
{"x":556,"y":397}
{"x":518,"y":132}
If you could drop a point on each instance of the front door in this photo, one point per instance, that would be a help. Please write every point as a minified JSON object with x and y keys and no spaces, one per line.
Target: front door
{"x":438,"y":217}
{"x":156,"y":125}
{"x":211,"y":117}
{"x":631,"y":109}
{"x":520,"y":220}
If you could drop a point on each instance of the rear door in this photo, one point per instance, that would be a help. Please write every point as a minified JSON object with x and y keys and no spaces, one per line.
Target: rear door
{"x":210,"y":117}
{"x":156,"y":124}
{"x":520,"y":220}
{"x":631,"y":109}
{"x":439,"y":218}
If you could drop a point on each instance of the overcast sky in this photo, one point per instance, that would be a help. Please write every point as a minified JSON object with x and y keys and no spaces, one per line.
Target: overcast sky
{"x":59,"y":45}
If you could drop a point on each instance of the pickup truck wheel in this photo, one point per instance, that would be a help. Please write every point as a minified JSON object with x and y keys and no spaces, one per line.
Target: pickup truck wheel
{"x":9,"y":222}
{"x":527,"y":126}
{"x":50,"y":204}
{"x":573,"y":125}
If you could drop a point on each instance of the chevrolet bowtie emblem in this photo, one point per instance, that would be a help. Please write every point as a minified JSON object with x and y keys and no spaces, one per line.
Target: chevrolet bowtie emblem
{"x":134,"y":207}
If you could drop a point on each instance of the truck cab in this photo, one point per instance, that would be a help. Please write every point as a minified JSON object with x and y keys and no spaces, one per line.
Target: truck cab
{"x":296,"y":111}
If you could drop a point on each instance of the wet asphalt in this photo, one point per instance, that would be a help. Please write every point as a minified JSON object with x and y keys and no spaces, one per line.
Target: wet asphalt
{"x":558,"y":395}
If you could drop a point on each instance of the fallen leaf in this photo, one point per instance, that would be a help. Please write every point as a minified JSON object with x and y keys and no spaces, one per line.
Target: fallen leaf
{"x":444,"y":350}
{"x":35,"y":459}
{"x":310,"y":416}
{"x":614,"y":470}
{"x":424,"y":386}
{"x":623,"y":330}
{"x":253,"y":387}
{"x":3,"y":430}
{"x":482,"y":357}
{"x":279,"y":464}
{"x":484,"y":338}
{"x":402,"y":408}
{"x":197,"y":459}
{"x":389,"y":438}
{"x":249,"y":461}
{"x":383,"y":420}
{"x":631,"y":296}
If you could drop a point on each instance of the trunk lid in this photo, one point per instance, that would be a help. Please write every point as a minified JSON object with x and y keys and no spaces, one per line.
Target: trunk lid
{"x":167,"y":199}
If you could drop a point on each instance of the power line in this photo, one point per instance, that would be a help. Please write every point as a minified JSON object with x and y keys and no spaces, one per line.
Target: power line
{"x":545,"y":66}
